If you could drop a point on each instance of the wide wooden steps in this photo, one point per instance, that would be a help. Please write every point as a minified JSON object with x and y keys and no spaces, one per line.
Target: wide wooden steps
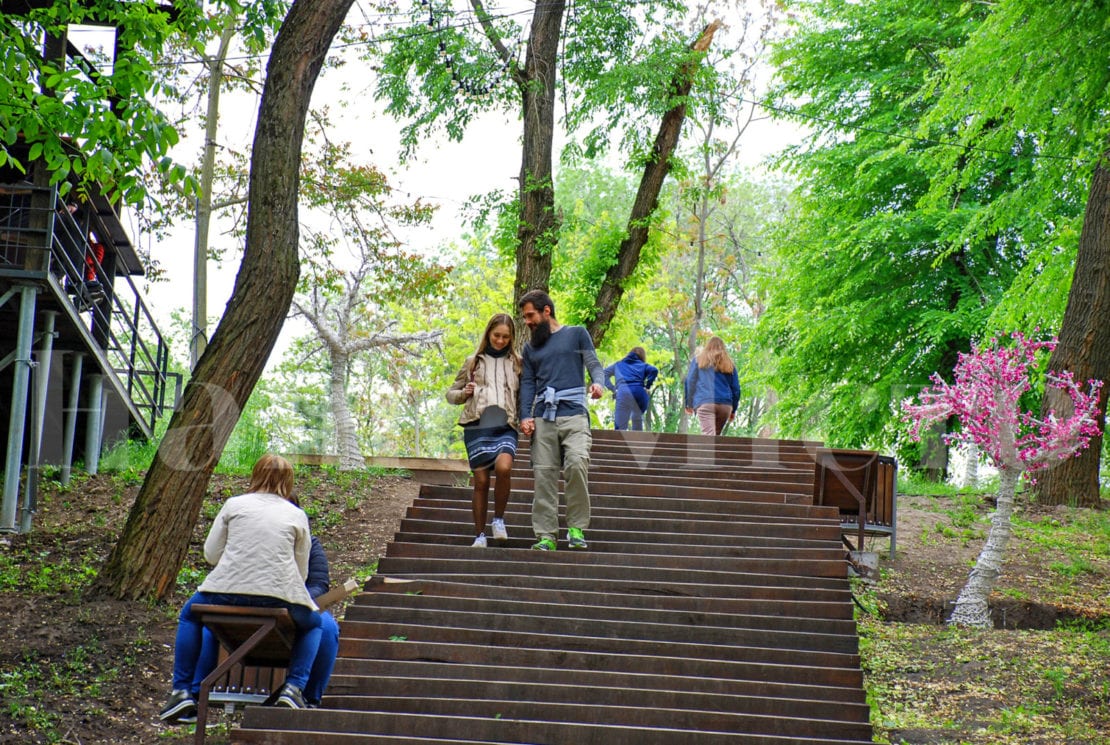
{"x":712,"y":606}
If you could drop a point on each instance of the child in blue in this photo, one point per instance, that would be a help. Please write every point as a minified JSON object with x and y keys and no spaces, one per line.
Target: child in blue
{"x":634,"y":377}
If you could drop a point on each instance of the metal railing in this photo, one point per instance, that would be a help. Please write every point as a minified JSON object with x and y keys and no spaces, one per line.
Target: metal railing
{"x":40,"y":236}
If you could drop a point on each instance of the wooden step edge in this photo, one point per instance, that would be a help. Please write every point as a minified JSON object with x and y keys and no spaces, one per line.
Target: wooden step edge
{"x":491,"y":729}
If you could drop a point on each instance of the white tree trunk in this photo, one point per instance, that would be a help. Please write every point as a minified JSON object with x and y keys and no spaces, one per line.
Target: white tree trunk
{"x":971,"y":467}
{"x":346,"y":431}
{"x":971,"y":606}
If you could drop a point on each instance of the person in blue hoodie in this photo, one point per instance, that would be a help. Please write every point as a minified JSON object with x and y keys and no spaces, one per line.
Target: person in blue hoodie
{"x":634,"y":377}
{"x":712,"y":387}
{"x":317,"y":583}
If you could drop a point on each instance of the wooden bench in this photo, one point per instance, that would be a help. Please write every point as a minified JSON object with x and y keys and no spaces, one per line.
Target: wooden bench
{"x":863,"y":485}
{"x":254,"y":637}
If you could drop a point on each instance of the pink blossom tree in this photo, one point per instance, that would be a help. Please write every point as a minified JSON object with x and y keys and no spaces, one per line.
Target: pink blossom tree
{"x":985,"y":399}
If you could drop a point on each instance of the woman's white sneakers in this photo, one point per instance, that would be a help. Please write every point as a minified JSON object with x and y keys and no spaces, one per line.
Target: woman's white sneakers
{"x":479,"y":542}
{"x":499,"y":532}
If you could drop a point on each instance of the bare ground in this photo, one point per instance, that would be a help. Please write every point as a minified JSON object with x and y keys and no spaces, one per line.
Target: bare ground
{"x":74,"y":670}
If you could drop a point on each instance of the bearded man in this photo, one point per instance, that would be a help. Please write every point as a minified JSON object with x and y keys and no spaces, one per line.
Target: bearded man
{"x":554,"y":415}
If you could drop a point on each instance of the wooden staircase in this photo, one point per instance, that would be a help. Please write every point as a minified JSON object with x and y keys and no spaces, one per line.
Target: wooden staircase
{"x":712,"y":606}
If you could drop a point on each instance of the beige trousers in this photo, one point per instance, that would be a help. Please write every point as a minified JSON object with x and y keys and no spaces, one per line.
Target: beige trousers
{"x":562,"y":445}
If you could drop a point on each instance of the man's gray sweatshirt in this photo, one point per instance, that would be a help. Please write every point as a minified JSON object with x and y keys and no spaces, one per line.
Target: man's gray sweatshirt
{"x":558,"y":364}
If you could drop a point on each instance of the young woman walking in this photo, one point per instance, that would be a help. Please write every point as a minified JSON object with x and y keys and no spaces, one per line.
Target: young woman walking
{"x":487,"y":386}
{"x":712,"y":387}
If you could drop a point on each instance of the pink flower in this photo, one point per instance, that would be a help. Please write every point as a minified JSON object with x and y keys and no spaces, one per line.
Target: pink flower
{"x":986,"y":400}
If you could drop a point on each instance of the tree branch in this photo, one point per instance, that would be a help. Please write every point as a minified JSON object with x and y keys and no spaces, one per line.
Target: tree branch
{"x":647,"y":197}
{"x":502,"y":51}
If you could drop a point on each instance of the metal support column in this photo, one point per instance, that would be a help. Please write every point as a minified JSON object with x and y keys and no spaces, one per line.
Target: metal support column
{"x":69,"y":432}
{"x":94,"y":422}
{"x":38,"y":421}
{"x":17,"y":420}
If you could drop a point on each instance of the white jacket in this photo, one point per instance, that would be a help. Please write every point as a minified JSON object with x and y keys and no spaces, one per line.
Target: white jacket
{"x":260,"y":545}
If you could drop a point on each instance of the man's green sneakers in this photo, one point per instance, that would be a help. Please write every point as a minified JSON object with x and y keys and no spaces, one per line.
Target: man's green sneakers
{"x":544,"y":544}
{"x":575,"y":539}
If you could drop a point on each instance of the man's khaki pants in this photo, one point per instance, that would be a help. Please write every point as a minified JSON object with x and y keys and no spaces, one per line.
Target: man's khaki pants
{"x":563,"y":444}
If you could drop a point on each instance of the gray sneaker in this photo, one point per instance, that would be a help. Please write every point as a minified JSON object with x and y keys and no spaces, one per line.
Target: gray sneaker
{"x":291,"y":697}
{"x":180,"y":709}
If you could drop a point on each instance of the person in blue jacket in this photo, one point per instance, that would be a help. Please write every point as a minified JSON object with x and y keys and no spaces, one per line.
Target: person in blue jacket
{"x":634,"y":377}
{"x":712,"y":387}
{"x":317,"y":583}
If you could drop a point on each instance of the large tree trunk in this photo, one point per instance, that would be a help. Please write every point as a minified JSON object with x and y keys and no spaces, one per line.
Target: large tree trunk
{"x":972,"y":608}
{"x":154,"y":542}
{"x":1084,"y":347}
{"x":647,"y":197}
{"x":537,"y":232}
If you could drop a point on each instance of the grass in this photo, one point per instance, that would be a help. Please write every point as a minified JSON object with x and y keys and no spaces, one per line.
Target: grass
{"x":45,"y":572}
{"x":910,"y":482}
{"x":946,"y":681}
{"x":950,"y":686}
{"x":82,"y":671}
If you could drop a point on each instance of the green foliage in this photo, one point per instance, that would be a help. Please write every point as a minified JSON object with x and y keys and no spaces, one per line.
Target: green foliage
{"x":594,"y":203}
{"x":1024,"y":83}
{"x":129,"y":456}
{"x":250,"y":439}
{"x":439,"y":68}
{"x":357,"y":293}
{"x":85,"y":125}
{"x":872,"y":288}
{"x":944,"y":189}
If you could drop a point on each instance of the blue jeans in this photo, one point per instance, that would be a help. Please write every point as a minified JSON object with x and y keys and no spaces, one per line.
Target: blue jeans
{"x":325,"y":659}
{"x":318,"y":677}
{"x":632,"y":401}
{"x":190,"y":657}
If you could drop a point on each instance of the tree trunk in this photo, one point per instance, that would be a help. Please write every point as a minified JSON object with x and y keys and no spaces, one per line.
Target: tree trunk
{"x":1084,"y":347}
{"x":972,"y":608}
{"x":647,"y":197}
{"x":198,"y":339}
{"x":699,"y":281}
{"x":971,"y":467}
{"x":155,"y":540}
{"x":537,"y":232}
{"x":346,"y":431}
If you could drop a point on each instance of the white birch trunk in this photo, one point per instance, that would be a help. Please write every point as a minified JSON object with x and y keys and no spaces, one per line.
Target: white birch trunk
{"x":971,"y":467}
{"x":346,"y":431}
{"x":972,"y":608}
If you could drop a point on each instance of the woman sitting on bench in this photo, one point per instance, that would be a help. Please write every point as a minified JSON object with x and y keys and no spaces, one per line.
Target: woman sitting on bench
{"x":260,"y":545}
{"x":318,"y":582}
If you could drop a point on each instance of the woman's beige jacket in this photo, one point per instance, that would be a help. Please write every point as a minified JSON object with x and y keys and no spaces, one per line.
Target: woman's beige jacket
{"x":260,"y":544}
{"x":496,"y":383}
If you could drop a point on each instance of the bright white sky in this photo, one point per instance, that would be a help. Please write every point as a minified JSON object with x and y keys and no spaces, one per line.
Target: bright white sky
{"x":442,"y":172}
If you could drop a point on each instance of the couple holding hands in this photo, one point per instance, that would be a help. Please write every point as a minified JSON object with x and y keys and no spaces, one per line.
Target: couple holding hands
{"x":548,"y":378}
